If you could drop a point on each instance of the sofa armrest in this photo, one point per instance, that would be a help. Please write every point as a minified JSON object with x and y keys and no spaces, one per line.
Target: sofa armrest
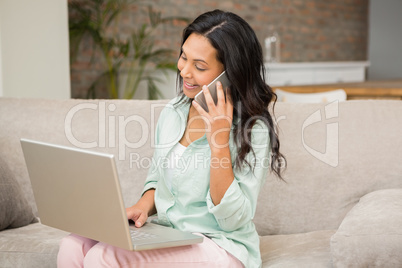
{"x":371,"y":233}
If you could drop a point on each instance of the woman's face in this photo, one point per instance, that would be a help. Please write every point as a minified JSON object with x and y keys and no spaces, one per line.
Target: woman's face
{"x":198,"y":64}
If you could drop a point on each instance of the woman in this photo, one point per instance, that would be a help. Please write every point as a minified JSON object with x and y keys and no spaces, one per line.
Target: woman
{"x":218,"y":160}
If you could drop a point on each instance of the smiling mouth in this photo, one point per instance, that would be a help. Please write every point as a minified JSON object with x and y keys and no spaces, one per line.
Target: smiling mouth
{"x":190,"y":86}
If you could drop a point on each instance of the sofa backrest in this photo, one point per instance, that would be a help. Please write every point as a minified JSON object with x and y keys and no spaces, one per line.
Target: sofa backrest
{"x":336,"y":153}
{"x":123,"y":128}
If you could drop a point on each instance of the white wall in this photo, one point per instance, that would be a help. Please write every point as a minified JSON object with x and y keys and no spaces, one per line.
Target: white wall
{"x":34,"y":49}
{"x":385,"y":39}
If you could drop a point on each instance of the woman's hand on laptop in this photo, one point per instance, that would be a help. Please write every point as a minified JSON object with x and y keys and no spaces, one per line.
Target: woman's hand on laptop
{"x":145,"y":207}
{"x":137,"y":215}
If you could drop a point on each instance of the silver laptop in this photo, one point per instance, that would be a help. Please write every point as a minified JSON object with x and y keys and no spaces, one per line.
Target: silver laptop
{"x":78,"y":191}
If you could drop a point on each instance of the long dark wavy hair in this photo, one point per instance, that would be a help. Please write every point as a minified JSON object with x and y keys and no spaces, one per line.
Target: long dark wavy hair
{"x":241,"y":54}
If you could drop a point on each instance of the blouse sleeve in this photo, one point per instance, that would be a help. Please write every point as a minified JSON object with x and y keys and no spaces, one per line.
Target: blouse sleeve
{"x":152,"y":177}
{"x":238,"y":205}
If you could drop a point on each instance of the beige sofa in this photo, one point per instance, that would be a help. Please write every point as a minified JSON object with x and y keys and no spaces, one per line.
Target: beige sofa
{"x":341,"y":204}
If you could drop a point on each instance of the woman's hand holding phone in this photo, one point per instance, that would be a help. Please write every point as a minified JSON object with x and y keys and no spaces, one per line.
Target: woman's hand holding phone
{"x":218,"y":119}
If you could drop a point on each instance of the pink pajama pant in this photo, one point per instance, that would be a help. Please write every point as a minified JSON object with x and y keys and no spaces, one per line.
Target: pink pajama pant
{"x":77,"y":251}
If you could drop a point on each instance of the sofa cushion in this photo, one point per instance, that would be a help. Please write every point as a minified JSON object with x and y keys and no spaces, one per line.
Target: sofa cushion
{"x":371,"y":233}
{"x":14,"y":208}
{"x":297,"y":250}
{"x":34,"y":245}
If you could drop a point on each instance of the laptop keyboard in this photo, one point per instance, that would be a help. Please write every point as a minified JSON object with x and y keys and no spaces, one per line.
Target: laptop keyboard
{"x":136,"y":235}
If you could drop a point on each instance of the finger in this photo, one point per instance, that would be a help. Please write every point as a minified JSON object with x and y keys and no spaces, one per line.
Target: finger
{"x":199,"y":109}
{"x":204,"y":115}
{"x":130,"y":213}
{"x":140,"y":219}
{"x":219,"y":92}
{"x":208,"y":98}
{"x":229,"y":103}
{"x":228,"y":96}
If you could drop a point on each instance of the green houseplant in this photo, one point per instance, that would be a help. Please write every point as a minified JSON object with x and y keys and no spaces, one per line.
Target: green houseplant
{"x":135,"y":56}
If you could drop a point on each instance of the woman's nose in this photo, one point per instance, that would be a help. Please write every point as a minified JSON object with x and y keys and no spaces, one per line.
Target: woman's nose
{"x":185,"y":72}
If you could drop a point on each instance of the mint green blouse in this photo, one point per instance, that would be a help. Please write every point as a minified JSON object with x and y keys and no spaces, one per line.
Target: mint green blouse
{"x":187,"y":204}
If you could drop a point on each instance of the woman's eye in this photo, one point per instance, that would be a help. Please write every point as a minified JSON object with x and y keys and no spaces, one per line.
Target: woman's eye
{"x":199,"y":69}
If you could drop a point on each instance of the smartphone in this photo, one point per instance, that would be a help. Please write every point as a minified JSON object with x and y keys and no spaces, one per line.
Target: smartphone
{"x":200,"y":98}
